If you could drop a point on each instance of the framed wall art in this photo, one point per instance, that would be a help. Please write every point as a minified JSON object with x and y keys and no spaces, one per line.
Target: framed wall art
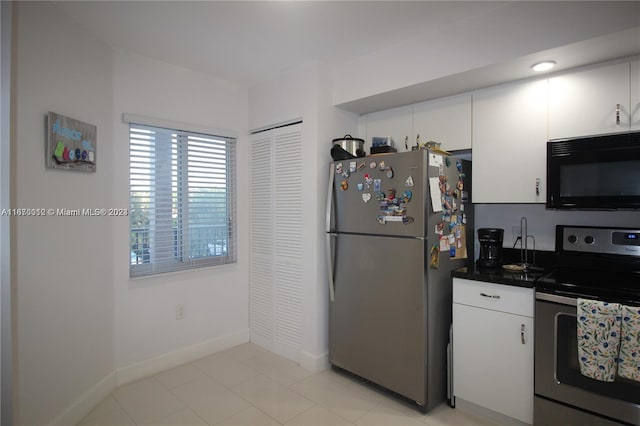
{"x":71,"y":144}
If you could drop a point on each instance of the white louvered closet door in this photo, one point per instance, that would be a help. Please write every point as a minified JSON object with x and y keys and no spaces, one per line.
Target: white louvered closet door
{"x":261,"y":272}
{"x":276,"y":238}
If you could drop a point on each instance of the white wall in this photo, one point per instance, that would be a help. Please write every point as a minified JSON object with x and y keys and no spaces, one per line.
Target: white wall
{"x":63,"y":274}
{"x":333,"y":123}
{"x":82,"y":325}
{"x":216,"y":299}
{"x":541,"y":222}
{"x":305,"y":92}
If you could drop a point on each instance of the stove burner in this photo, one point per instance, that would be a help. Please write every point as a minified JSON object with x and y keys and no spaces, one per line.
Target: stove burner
{"x":597,"y":268}
{"x":607,"y":285}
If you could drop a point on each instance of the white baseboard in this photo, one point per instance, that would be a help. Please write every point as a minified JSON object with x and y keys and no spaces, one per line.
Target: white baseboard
{"x":262,"y":342}
{"x":314,"y":363}
{"x":307,"y":360}
{"x":478,"y":410}
{"x":88,"y":400}
{"x":287,"y":352}
{"x":85,"y":402}
{"x":178,"y":357}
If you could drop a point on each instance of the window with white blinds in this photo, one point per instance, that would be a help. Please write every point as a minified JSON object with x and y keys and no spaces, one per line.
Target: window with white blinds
{"x":182,"y":200}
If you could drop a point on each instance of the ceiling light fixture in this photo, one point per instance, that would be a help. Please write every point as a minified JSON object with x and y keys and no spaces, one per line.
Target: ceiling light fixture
{"x":543,"y":66}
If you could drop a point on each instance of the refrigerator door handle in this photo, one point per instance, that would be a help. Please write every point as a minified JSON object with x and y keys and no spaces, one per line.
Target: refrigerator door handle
{"x":329,"y":198}
{"x":328,"y":230}
{"x":330,"y":267}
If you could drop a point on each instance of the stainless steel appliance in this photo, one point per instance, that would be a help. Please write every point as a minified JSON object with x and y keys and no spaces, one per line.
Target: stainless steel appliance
{"x":354,"y":146}
{"x":597,"y":172}
{"x":594,"y":263}
{"x":490,"y":247}
{"x":389,"y":271}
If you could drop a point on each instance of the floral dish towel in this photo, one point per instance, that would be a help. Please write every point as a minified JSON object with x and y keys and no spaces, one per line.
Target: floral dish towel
{"x":629,"y":358}
{"x":598,"y":339}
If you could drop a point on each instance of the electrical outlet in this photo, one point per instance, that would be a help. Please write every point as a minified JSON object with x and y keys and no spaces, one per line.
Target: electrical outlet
{"x":180,"y":311}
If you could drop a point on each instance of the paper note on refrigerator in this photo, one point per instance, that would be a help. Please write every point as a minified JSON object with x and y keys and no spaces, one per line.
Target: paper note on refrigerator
{"x":460,"y":232}
{"x":434,"y":191}
{"x":435,"y":160}
{"x":444,"y":244}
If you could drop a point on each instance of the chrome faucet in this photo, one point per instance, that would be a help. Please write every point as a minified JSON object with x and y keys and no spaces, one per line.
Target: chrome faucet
{"x":524,"y":249}
{"x":523,"y":242}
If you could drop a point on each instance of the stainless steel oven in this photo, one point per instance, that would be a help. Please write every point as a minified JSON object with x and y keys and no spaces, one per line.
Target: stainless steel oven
{"x":591,"y":267}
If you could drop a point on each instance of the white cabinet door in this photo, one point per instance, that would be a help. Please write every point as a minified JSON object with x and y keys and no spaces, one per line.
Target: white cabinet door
{"x":446,"y":120}
{"x":509,"y":143}
{"x":493,"y":360}
{"x":276,"y":219}
{"x":394,"y":122}
{"x":584,"y":102}
{"x":635,"y":95}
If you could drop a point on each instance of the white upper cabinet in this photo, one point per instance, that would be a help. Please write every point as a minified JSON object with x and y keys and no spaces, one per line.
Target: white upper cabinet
{"x":635,"y":95}
{"x":446,"y":120}
{"x":507,"y":126}
{"x":509,"y":143}
{"x":395,"y":123}
{"x":586,"y":102}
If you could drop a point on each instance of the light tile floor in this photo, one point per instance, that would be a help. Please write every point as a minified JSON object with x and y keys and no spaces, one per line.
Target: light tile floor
{"x":247,"y":385}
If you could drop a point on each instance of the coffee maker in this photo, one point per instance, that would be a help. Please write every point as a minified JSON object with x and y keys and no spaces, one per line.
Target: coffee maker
{"x":490,"y":247}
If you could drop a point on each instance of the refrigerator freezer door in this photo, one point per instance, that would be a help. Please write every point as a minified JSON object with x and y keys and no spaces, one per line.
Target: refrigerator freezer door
{"x":376,"y":321}
{"x":364,"y":196}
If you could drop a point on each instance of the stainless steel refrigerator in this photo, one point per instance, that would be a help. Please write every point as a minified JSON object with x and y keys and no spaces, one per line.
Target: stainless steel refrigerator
{"x":397,"y":225}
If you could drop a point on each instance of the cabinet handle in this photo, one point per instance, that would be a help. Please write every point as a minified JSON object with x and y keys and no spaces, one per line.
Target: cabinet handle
{"x":618,"y":114}
{"x":491,"y":296}
{"x":522,"y":333}
{"x":537,"y":186}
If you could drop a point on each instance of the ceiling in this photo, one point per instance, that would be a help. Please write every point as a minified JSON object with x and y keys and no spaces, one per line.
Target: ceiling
{"x":252,"y":41}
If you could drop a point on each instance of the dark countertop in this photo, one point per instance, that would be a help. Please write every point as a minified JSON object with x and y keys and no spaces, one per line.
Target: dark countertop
{"x":498,"y":276}
{"x":544,"y":263}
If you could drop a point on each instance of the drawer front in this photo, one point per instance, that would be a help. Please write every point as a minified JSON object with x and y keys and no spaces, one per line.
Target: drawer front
{"x":498,"y":297}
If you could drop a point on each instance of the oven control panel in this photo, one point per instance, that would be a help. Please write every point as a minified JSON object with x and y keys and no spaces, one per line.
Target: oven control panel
{"x":589,"y":239}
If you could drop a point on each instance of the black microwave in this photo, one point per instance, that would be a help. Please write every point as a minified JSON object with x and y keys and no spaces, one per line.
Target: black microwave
{"x":594,"y":172}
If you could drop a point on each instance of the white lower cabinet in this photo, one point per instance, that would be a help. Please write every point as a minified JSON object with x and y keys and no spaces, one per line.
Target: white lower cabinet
{"x":493,"y":347}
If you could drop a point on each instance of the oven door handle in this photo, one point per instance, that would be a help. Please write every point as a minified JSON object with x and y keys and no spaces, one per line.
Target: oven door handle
{"x":571,"y":301}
